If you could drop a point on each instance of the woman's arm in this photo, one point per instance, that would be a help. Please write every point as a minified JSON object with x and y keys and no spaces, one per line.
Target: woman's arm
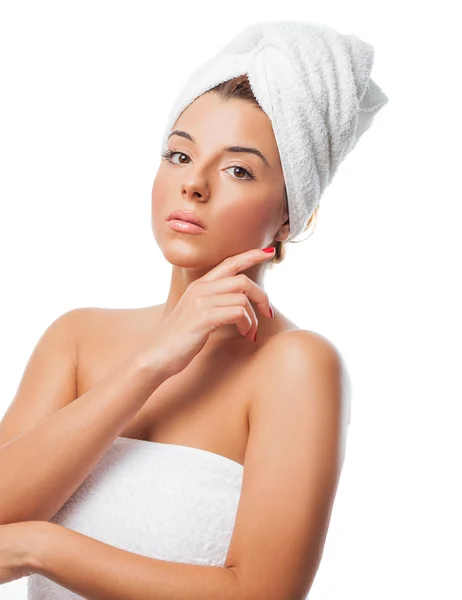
{"x":297,"y":431}
{"x":98,"y":571}
{"x":42,"y":467}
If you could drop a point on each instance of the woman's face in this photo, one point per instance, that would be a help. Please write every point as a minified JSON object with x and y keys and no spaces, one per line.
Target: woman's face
{"x":239,"y":212}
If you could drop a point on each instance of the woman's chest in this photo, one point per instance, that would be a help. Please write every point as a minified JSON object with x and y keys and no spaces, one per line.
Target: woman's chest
{"x":205,"y":406}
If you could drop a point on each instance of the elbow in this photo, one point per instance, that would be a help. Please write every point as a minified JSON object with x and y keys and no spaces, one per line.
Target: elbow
{"x":239,"y":590}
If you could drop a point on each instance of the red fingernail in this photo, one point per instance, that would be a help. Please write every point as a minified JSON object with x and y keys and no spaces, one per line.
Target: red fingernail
{"x":269,"y":249}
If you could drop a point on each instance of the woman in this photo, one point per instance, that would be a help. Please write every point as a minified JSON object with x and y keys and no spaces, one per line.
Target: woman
{"x":190,"y":449}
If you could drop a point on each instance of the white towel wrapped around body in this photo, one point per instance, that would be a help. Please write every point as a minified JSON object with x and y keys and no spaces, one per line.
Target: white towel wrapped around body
{"x":165,"y":501}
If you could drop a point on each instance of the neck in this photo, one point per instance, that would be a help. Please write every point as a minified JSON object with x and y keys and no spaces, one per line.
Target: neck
{"x":182,"y":277}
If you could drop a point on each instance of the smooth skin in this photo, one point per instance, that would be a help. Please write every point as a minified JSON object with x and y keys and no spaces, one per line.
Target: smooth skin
{"x":223,"y":296}
{"x":240,"y":214}
{"x":278,"y":404}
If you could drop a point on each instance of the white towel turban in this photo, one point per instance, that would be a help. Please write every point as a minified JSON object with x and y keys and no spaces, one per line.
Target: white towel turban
{"x":314,"y":85}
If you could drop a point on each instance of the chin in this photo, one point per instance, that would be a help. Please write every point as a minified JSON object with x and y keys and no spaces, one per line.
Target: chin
{"x":180,"y":254}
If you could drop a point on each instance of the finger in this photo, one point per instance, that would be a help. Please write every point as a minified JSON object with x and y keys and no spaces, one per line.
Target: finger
{"x":228,"y":315}
{"x":239,"y":300}
{"x":238,"y":262}
{"x":240,"y":283}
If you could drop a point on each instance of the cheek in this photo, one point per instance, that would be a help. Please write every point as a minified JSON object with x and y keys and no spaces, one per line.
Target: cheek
{"x":257,"y":212}
{"x":159,"y":194}
{"x":159,"y":206}
{"x":247,"y":220}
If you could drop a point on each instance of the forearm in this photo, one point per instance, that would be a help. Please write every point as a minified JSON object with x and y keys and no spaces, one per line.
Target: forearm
{"x":43,"y":467}
{"x":98,"y":571}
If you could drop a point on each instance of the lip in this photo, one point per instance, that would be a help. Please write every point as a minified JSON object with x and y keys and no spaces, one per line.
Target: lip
{"x":187,"y":216}
{"x":184,"y":226}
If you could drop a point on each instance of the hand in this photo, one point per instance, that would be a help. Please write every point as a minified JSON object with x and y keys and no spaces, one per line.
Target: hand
{"x":219,"y":297}
{"x":16,"y":546}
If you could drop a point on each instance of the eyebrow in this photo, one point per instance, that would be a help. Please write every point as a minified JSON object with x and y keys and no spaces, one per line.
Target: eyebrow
{"x":255,"y":151}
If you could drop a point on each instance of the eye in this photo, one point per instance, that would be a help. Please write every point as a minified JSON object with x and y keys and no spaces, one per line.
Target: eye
{"x":168,"y":154}
{"x":249,"y":173}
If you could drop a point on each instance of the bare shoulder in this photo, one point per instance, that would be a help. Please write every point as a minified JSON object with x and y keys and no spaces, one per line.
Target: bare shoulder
{"x":97,"y":321}
{"x":299,"y":345}
{"x":91,"y":320}
{"x":95,"y":315}
{"x":106,"y":336}
{"x":302,"y":360}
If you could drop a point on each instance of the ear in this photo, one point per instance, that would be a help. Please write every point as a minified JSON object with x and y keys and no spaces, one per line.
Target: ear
{"x":283,"y":232}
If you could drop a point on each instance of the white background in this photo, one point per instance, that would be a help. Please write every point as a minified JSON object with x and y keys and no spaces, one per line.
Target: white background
{"x":85,"y":90}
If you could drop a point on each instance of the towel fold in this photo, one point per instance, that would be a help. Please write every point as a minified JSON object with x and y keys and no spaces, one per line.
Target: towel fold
{"x":314,"y":84}
{"x":165,"y":501}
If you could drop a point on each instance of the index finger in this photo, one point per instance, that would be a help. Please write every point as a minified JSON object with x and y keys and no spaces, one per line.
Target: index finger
{"x":238,"y":262}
